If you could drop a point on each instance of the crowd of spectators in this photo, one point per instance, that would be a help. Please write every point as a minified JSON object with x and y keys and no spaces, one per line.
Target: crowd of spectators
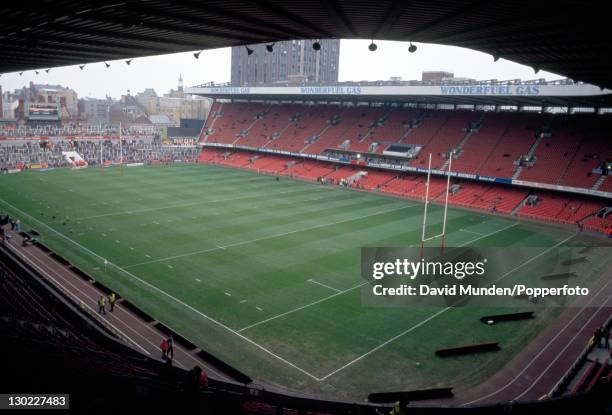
{"x":54,"y":130}
{"x":19,"y":155}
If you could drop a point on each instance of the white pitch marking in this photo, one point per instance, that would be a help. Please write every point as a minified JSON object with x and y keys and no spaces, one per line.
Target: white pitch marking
{"x":323,"y":225}
{"x":106,"y":320}
{"x":184,"y":205}
{"x":156,"y":288}
{"x":235,"y":332}
{"x":228,"y":294}
{"x":559,"y":333}
{"x":350,"y":289}
{"x":148,"y":256}
{"x":117,"y":241}
{"x":103,"y":234}
{"x":323,"y":285}
{"x":243,"y":301}
{"x":198,"y":280}
{"x":469,"y":231}
{"x":260,"y":309}
{"x":131,"y":249}
{"x":444,"y":310}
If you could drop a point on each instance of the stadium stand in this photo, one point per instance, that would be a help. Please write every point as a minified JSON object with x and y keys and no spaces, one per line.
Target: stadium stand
{"x":393,"y":128}
{"x":29,"y":149}
{"x":564,"y":148}
{"x":517,"y":139}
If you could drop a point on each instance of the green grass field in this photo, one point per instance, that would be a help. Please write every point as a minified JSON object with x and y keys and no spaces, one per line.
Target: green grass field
{"x":266,"y":274}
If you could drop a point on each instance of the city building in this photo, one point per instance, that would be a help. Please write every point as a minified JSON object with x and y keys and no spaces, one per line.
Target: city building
{"x":96,"y":110}
{"x":290,"y":61}
{"x":436,"y":76}
{"x":175,"y":104}
{"x":41,"y":100}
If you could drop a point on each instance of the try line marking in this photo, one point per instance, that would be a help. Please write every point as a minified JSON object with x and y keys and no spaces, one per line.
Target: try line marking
{"x":264,"y":349}
{"x":155,"y":288}
{"x":263,"y":238}
{"x":439,"y":313}
{"x":323,"y":285}
{"x":469,"y":231}
{"x":130,"y":212}
{"x":356,"y":286}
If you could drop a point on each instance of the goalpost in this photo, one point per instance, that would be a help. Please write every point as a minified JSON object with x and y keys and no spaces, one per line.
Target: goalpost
{"x":442,"y":234}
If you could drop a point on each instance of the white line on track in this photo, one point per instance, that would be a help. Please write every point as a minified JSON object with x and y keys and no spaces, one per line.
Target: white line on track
{"x":77,"y":299}
{"x":155,"y":288}
{"x":263,"y":238}
{"x":559,"y":333}
{"x":257,"y":345}
{"x":324,"y":285}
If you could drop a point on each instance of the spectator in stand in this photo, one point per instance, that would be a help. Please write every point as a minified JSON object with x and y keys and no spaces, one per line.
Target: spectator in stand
{"x":164,"y":348}
{"x":17,"y":225}
{"x":111,"y":301}
{"x":170,"y":353}
{"x":197,"y":380}
{"x":202,"y":378}
{"x":102,"y":305}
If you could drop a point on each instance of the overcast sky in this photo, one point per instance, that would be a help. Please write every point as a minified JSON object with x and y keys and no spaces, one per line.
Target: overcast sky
{"x":357,"y":63}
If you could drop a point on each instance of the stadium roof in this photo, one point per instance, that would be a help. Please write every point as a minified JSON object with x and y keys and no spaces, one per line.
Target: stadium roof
{"x":537,"y":93}
{"x":571,"y":38}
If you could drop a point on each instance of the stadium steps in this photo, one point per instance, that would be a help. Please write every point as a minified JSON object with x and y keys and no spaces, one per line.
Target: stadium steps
{"x":212,"y":123}
{"x":459,"y":147}
{"x":248,"y":129}
{"x":520,"y":205}
{"x":323,"y":131}
{"x":598,"y":182}
{"x":280,"y":133}
{"x":373,"y":128}
{"x":517,"y":173}
{"x":419,"y":119}
{"x":535,"y":145}
{"x":529,"y":154}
